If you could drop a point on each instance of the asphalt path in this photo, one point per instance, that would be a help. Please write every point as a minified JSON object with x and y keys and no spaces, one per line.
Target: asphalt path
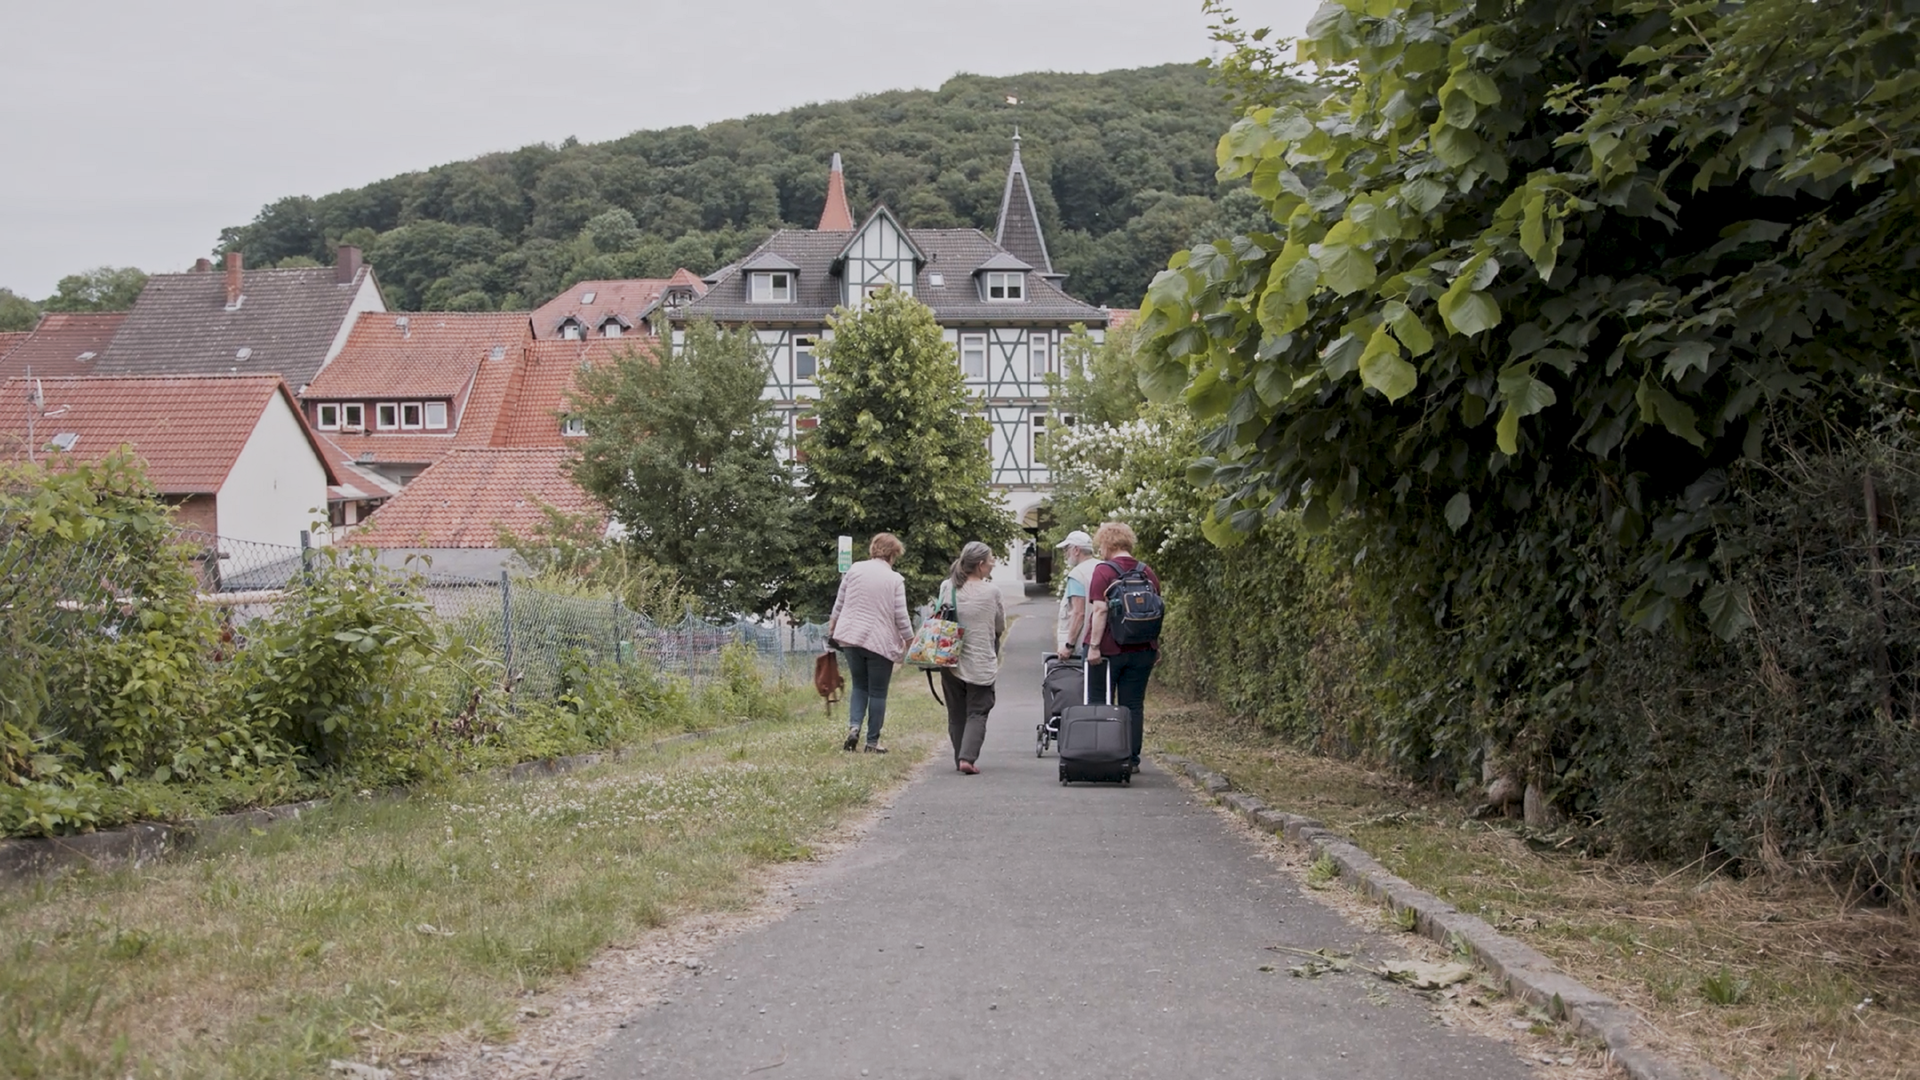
{"x":1004,"y":925}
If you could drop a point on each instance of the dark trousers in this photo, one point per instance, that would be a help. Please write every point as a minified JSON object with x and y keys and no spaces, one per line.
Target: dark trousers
{"x":870,"y":673}
{"x":1129,"y":672}
{"x":967,"y":707}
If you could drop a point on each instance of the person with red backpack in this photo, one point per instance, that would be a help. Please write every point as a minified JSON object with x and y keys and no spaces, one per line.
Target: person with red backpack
{"x":1124,"y":597}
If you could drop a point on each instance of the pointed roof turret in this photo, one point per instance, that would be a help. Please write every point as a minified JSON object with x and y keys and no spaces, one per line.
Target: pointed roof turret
{"x":1019,"y":231}
{"x":835,"y":217}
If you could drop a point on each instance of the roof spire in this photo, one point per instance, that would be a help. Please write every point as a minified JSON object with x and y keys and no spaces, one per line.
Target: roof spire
{"x":1019,"y":230}
{"x":835,"y":217}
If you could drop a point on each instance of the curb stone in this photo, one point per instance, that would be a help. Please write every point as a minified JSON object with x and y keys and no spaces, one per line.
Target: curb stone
{"x":1520,"y":970}
{"x":143,"y":843}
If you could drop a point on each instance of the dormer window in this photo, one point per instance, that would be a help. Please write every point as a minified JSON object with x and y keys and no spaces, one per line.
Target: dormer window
{"x":570,"y":330}
{"x":610,"y":328}
{"x":775,"y":287}
{"x":1006,"y":285}
{"x":573,"y":427}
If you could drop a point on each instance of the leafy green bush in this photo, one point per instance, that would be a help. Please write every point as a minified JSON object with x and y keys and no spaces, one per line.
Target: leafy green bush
{"x":342,"y":670}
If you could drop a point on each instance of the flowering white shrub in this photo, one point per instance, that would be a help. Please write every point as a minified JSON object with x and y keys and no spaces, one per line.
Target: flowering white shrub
{"x":1134,"y":472}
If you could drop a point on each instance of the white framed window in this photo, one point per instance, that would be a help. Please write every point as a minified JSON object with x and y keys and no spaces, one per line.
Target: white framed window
{"x":610,"y":329}
{"x":804,"y":365}
{"x":973,"y":355}
{"x":328,"y":417}
{"x":573,"y":426}
{"x":1037,"y":436}
{"x":353,"y":417}
{"x":570,"y":331}
{"x":1006,"y":285}
{"x":437,"y":415}
{"x":386,"y":415}
{"x":1039,"y":355}
{"x":773,"y":288}
{"x":410,"y":415}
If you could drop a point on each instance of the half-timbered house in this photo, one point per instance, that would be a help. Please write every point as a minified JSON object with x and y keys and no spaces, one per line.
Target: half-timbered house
{"x":998,"y":300}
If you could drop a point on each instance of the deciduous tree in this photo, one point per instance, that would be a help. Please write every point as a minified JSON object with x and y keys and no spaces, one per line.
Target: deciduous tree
{"x":104,"y":288}
{"x":682,"y":450}
{"x":900,"y":447}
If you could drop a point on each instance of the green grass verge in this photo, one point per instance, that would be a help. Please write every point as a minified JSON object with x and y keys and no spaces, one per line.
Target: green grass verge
{"x":1762,"y":977}
{"x":385,"y":925}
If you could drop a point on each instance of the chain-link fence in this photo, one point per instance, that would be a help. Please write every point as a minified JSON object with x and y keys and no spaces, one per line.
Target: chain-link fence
{"x":58,"y":597}
{"x":533,"y":633}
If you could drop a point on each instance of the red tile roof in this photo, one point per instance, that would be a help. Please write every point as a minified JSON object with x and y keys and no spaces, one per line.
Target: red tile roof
{"x":356,"y":482}
{"x":1118,"y":318}
{"x":10,"y":338}
{"x":629,"y":298}
{"x":460,"y":500}
{"x":435,"y":354}
{"x":189,"y":429}
{"x":834,"y":216}
{"x":409,"y":448}
{"x":54,"y":348}
{"x":539,"y":396}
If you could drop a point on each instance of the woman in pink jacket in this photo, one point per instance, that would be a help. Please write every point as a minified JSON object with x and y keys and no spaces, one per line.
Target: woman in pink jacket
{"x":870,"y":625}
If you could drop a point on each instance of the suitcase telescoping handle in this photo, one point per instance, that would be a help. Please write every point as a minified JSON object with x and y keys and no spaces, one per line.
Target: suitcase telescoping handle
{"x":1086,"y":679}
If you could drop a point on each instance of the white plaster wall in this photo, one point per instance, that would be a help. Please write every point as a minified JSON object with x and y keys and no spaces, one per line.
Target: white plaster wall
{"x":278,"y":485}
{"x":366,"y":299}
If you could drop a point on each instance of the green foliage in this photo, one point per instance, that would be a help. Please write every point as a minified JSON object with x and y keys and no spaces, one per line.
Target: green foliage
{"x":1098,"y":383}
{"x":1723,"y":988}
{"x":683,"y":449}
{"x":340,"y":671}
{"x":1551,"y":297}
{"x":17,"y":312}
{"x":104,"y":288}
{"x":901,"y":447}
{"x":570,"y":554}
{"x":1120,"y":162}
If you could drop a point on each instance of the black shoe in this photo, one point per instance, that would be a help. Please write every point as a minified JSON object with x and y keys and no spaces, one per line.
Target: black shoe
{"x":875,"y":748}
{"x":853,"y":740}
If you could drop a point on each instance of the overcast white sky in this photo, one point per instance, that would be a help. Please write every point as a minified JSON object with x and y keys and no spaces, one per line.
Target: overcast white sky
{"x":138,"y":129}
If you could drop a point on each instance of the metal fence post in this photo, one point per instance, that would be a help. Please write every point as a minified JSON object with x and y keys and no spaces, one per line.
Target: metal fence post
{"x":306,"y":555}
{"x":506,"y":627}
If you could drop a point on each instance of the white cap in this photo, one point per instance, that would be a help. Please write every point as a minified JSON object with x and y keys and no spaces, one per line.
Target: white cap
{"x":1077,"y":538}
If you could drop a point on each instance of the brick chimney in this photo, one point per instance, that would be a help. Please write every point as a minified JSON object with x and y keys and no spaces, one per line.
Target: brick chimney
{"x":203,"y":266}
{"x":234,"y":295}
{"x":346,"y":264}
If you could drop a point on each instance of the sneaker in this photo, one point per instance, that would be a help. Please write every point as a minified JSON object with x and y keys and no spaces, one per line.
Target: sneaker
{"x":853,"y":740}
{"x":875,"y":748}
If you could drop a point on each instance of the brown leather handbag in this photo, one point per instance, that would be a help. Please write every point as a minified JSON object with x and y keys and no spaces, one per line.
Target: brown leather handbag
{"x":827,"y":681}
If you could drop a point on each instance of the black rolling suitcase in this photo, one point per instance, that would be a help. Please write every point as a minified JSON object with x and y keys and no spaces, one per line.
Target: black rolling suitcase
{"x":1062,"y":684}
{"x":1095,"y":742}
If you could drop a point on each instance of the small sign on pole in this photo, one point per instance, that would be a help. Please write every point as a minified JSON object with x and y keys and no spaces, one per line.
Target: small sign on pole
{"x":846,"y":554}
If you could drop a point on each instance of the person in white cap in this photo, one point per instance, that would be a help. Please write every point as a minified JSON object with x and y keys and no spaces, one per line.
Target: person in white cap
{"x":1071,"y":631}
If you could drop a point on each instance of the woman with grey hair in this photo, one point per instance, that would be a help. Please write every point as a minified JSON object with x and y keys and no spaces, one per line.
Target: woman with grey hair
{"x":983,"y":622}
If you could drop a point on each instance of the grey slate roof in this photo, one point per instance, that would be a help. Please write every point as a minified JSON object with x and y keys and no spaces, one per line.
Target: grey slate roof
{"x":180,"y":325}
{"x":1019,"y":230}
{"x":955,"y":254}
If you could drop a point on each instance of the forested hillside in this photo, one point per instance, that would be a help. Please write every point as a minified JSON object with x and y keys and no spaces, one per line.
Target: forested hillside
{"x":1122,"y":164}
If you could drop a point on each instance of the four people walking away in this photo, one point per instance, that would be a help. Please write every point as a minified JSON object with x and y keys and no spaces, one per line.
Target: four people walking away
{"x":1127,"y":665}
{"x":870,"y":625}
{"x":1071,"y":632}
{"x":983,"y":621}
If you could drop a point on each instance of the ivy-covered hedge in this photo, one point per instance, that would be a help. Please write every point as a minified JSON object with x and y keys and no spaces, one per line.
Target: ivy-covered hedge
{"x":1791,"y":747}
